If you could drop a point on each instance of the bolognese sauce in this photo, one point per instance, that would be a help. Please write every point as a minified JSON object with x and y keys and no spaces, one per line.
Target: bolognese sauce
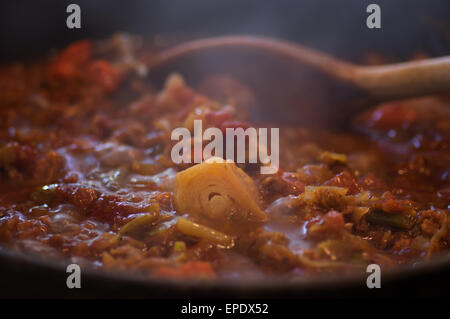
{"x":86,"y":176}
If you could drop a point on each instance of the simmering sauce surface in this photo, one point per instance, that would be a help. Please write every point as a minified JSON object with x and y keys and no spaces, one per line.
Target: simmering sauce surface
{"x":86,"y":176}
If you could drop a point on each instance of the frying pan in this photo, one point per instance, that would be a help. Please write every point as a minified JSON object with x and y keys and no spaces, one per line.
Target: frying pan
{"x":30,"y":29}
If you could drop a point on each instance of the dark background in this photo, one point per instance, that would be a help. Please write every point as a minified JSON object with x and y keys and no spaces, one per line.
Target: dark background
{"x":28,"y":28}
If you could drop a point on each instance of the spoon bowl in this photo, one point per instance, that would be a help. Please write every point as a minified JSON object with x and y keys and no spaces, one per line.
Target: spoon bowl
{"x":297,"y":85}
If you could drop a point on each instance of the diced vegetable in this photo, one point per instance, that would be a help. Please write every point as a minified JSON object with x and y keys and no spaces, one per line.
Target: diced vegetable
{"x":331,"y":224}
{"x":196,"y":230}
{"x":312,"y":191}
{"x":340,"y":250}
{"x":330,"y":158}
{"x":325,"y":196}
{"x":394,"y":220}
{"x":154,"y":208}
{"x":138,"y":223}
{"x":71,"y":61}
{"x":104,"y":75}
{"x":158,"y":230}
{"x":363,"y":198}
{"x":179,"y":246}
{"x":393,"y":116}
{"x":358,"y":213}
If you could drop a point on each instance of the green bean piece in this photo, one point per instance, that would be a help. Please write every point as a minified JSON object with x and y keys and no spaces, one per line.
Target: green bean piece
{"x":138,"y":223}
{"x":394,"y":220}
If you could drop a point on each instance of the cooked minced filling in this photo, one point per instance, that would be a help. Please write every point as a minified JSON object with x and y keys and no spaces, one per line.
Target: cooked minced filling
{"x":87,"y":177}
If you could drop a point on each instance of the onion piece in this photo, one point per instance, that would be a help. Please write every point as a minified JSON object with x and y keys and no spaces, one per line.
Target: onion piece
{"x":219,"y":194}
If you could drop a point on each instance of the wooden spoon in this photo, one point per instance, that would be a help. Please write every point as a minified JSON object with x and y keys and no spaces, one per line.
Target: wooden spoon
{"x":349,"y":88}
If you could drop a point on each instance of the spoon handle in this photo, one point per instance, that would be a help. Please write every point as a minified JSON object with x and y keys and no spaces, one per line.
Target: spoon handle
{"x":295,"y":52}
{"x":408,"y":79}
{"x":385,"y":82}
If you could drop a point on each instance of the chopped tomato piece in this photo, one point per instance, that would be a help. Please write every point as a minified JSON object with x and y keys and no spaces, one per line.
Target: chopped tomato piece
{"x":345,"y":179}
{"x":333,"y":219}
{"x":331,"y":224}
{"x":391,"y":205}
{"x":69,"y":63}
{"x":392,"y":116}
{"x":293,"y":184}
{"x":105,"y":75}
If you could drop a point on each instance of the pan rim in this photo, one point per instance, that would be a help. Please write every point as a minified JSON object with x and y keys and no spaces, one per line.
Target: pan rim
{"x":268,"y":284}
